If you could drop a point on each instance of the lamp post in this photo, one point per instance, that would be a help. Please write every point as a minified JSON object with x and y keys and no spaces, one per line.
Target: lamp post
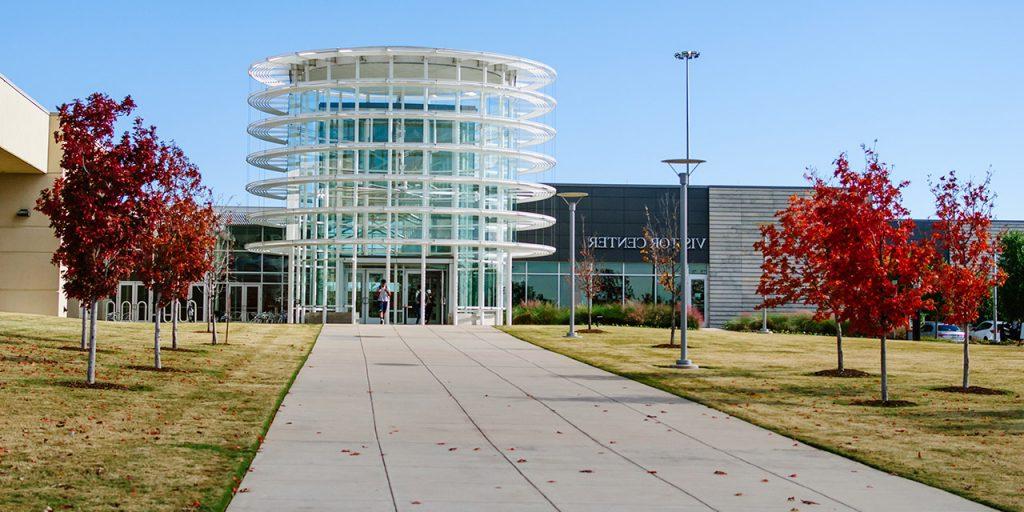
{"x":684,"y":182}
{"x":572,"y":199}
{"x":995,"y":304}
{"x":684,"y":266}
{"x":764,"y":310}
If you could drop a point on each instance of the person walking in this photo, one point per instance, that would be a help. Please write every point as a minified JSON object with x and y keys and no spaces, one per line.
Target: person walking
{"x":383,"y":300}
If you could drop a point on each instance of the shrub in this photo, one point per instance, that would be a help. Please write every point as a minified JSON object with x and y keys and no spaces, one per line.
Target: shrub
{"x":800,"y":322}
{"x":633,"y":313}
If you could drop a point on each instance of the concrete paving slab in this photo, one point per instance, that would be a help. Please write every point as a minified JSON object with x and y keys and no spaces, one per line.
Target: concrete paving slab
{"x":468,"y":418}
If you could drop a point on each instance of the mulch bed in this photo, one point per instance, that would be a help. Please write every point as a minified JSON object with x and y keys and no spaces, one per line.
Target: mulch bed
{"x":846,"y":373}
{"x":146,"y":368}
{"x":973,"y":390}
{"x":590,"y":331}
{"x":81,"y":384}
{"x":880,"y":403}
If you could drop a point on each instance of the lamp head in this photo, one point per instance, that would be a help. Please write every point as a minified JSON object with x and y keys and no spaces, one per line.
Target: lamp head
{"x":687,"y":55}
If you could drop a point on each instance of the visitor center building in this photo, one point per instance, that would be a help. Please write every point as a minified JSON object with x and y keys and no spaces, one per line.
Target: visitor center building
{"x":401,"y":165}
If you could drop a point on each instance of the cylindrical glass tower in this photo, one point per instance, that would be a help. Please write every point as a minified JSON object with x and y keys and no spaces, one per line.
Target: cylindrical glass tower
{"x":401,"y":164}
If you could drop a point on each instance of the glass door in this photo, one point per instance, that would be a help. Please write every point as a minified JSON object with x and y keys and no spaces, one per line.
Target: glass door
{"x":698,"y":296}
{"x":367,"y":305}
{"x":245,"y":302}
{"x":436,"y":303}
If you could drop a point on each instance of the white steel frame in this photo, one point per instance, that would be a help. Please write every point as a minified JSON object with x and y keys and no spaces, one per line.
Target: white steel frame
{"x":392,"y":153}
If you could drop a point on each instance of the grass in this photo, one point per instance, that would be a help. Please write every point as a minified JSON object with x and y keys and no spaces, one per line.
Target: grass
{"x":970,"y":444}
{"x":142,"y":440}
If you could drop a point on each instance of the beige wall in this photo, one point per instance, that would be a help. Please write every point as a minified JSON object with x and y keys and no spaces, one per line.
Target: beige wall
{"x":29,"y":283}
{"x":24,"y":131}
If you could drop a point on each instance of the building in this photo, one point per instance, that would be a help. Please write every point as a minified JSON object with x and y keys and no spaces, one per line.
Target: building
{"x":404,"y":165}
{"x":29,"y":162}
{"x":723,"y":224}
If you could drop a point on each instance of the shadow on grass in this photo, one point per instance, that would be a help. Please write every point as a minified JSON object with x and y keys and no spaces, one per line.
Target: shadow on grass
{"x":186,"y":350}
{"x":972,"y":390}
{"x":76,"y":348}
{"x":81,"y":384}
{"x":165,"y":369}
{"x":845,"y":373}
{"x":27,"y":359}
{"x":884,"y":403}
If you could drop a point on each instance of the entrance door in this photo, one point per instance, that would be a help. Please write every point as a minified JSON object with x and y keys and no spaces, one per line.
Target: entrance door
{"x":436,"y":302}
{"x":698,"y":295}
{"x":366,"y":297}
{"x":133,"y":301}
{"x":245,"y":302}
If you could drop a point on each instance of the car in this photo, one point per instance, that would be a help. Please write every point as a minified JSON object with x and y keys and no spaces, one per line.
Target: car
{"x":983,"y":331}
{"x":946,"y":332}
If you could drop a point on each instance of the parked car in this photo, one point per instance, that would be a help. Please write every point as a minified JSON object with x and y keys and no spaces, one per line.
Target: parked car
{"x":983,"y":331}
{"x":946,"y":332}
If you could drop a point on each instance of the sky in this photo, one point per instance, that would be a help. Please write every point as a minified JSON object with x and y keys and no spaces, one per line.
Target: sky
{"x":779,"y":87}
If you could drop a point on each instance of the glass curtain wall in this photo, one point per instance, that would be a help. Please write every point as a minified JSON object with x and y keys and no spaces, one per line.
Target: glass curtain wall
{"x":388,"y":154}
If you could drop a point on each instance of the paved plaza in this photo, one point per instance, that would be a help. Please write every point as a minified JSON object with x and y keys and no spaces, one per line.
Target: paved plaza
{"x":471,"y":419}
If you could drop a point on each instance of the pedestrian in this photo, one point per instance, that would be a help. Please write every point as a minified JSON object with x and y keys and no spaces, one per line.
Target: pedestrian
{"x":429,"y":306}
{"x":383,"y":299}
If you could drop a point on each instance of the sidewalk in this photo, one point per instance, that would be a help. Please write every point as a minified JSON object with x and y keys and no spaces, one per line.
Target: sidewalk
{"x":470,"y":418}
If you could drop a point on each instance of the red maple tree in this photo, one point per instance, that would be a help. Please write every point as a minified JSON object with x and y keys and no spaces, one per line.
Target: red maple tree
{"x":877,"y":272}
{"x":95,"y":207}
{"x":175,"y":249}
{"x":967,"y":273}
{"x":796,"y":259}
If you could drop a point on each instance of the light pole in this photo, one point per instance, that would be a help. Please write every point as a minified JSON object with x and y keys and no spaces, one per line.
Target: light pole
{"x":684,"y":182}
{"x":764,"y":310}
{"x":995,"y":304}
{"x":572,"y":199}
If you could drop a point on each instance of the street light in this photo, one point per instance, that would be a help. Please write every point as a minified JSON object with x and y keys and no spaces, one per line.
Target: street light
{"x":572,"y":199}
{"x":764,"y":310}
{"x":684,"y":266}
{"x":684,"y":362}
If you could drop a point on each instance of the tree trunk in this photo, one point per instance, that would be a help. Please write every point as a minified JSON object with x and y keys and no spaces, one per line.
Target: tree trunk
{"x":967,"y":357}
{"x":885,"y":375}
{"x":213,"y":322}
{"x":590,"y":309}
{"x":227,"y":327}
{"x":839,"y":345}
{"x":84,"y":314}
{"x":672,"y":325}
{"x":156,"y":333}
{"x":90,"y":375}
{"x":174,"y":324}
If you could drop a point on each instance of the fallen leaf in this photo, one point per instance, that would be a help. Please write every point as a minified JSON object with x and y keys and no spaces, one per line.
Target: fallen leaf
{"x":720,"y":472}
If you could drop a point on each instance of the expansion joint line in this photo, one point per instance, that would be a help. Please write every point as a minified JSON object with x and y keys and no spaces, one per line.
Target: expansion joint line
{"x":670,"y":426}
{"x":475,"y":424}
{"x":577,"y":427}
{"x":376,"y":431}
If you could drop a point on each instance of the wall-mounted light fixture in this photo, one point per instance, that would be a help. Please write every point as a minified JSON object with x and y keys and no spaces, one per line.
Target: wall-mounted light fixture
{"x":24,"y":212}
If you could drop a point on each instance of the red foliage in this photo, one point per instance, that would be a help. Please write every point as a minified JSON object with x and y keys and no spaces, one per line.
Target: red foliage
{"x":847,"y":249}
{"x":877,"y":274}
{"x":961,"y":232}
{"x":94,"y":207}
{"x":177,"y":241}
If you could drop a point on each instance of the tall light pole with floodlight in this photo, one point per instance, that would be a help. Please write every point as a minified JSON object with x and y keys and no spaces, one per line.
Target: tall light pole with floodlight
{"x":684,"y":240}
{"x":572,"y":199}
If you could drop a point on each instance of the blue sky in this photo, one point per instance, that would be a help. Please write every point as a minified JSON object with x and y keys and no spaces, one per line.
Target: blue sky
{"x":780,"y":86}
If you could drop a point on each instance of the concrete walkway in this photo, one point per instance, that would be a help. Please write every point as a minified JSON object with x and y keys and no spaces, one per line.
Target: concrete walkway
{"x":471,"y":419}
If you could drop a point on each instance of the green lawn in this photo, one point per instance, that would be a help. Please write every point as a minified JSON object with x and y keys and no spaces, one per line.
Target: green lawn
{"x":969,"y":444}
{"x":173,"y":440}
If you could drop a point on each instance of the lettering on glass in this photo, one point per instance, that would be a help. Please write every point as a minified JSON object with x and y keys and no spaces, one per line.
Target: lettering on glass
{"x":639,"y":242}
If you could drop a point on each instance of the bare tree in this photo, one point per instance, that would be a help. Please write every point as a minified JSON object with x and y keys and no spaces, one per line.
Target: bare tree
{"x":661,"y":250}
{"x":587,"y":277}
{"x":218,"y":276}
